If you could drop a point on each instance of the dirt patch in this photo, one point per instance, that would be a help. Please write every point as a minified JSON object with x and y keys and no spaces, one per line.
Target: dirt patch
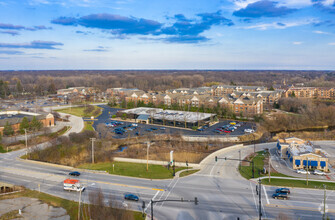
{"x":31,"y":208}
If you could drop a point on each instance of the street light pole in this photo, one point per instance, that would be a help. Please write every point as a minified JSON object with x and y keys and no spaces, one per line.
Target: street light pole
{"x":25,"y":134}
{"x":260,"y":199}
{"x":239,"y":151}
{"x":92,"y":139}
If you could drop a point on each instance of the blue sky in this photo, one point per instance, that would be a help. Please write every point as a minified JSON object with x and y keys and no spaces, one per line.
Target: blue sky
{"x":160,"y":34}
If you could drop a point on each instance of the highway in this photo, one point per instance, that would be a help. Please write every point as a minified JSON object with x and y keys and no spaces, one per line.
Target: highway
{"x":221,"y":191}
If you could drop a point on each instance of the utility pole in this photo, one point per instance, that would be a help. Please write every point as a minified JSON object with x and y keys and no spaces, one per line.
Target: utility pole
{"x":260,"y":199}
{"x":152,"y":210}
{"x":25,"y":134}
{"x":92,"y":139}
{"x":148,"y":146}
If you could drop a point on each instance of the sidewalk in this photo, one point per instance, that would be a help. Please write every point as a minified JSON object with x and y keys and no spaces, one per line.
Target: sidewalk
{"x":58,"y":126}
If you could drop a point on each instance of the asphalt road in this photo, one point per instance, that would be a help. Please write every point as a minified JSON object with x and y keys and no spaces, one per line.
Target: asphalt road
{"x":105,"y":117}
{"x":221,"y":191}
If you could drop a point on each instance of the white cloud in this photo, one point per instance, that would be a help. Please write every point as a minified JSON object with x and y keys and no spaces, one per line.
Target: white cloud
{"x":332,"y":44}
{"x":297,"y":42}
{"x":288,"y":3}
{"x":279,"y":25}
{"x":320,"y":32}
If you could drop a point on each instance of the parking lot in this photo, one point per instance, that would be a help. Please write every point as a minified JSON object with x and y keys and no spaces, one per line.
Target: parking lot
{"x":152,"y":129}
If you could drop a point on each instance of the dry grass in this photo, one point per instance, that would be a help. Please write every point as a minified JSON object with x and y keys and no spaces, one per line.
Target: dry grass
{"x":320,"y":135}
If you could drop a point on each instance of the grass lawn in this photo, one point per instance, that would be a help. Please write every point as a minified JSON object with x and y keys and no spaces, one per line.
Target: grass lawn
{"x":70,"y":206}
{"x":79,"y":111}
{"x":134,"y":169}
{"x":186,"y":173}
{"x":299,"y":183}
{"x":246,"y":171}
{"x":2,"y":150}
{"x":88,"y":126}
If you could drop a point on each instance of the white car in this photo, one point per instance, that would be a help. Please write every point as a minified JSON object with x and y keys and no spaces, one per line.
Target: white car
{"x":249,"y":130}
{"x":319,"y":172}
{"x":302,"y":171}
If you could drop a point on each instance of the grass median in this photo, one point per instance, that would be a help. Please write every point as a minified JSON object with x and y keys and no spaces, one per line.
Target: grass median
{"x":299,"y":183}
{"x":188,"y":172}
{"x":134,"y":169}
{"x":258,"y":159}
{"x":88,"y":126}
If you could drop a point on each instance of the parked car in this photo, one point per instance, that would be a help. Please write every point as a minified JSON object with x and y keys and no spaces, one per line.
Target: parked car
{"x":319,"y":172}
{"x":249,"y":130}
{"x":148,"y":130}
{"x":200,"y":129}
{"x":219,"y":129}
{"x":131,"y":197}
{"x":216,"y":131}
{"x":302,"y":171}
{"x":119,"y":132}
{"x":227,"y":131}
{"x":74,"y":173}
{"x":232,"y":123}
{"x":280,"y":196}
{"x":162,"y":128}
{"x":283,"y":190}
{"x":153,"y":128}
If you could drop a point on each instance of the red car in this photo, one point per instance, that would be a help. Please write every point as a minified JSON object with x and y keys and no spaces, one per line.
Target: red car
{"x":219,"y":129}
{"x":225,"y":131}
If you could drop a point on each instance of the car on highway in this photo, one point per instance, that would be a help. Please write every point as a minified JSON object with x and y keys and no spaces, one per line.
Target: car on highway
{"x":280,"y":196}
{"x":283,"y":190}
{"x":302,"y":171}
{"x":74,"y":173}
{"x":319,"y":172}
{"x":131,"y":197}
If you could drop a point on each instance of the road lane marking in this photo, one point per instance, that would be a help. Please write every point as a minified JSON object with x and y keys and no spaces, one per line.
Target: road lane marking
{"x":150,"y":201}
{"x":125,"y":185}
{"x":297,"y":208}
{"x":210,"y":173}
{"x":37,"y":174}
{"x":266,"y":195}
{"x":170,"y":192}
{"x":253,"y":195}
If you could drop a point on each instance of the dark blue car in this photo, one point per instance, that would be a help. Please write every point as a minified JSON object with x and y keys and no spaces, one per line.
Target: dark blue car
{"x":131,"y":197}
{"x":74,"y":173}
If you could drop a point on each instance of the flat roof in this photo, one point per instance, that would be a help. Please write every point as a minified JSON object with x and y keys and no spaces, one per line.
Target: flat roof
{"x":170,"y":115}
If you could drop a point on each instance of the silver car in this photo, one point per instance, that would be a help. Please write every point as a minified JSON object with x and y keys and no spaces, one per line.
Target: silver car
{"x":302,"y":171}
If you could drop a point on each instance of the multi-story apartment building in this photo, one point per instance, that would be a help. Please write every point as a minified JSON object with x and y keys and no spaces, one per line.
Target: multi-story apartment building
{"x":227,"y":89}
{"x":310,"y":92}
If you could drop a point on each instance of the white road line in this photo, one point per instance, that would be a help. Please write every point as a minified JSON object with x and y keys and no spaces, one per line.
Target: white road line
{"x":210,"y":173}
{"x":170,"y":192}
{"x":253,"y":195}
{"x":150,"y":201}
{"x":266,"y":195}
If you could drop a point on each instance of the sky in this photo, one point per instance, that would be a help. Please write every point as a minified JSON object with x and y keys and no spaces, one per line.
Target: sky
{"x":161,"y":34}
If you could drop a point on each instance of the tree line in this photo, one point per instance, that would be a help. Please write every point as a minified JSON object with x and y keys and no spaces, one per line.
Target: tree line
{"x":18,"y":83}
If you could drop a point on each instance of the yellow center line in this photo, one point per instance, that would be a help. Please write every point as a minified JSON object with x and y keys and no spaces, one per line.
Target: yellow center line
{"x":125,"y":185}
{"x":297,"y":208}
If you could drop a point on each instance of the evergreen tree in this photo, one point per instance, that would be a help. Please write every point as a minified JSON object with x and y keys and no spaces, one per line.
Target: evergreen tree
{"x":8,"y":130}
{"x":24,"y":125}
{"x":19,"y":87}
{"x":35,"y":125}
{"x":272,"y":89}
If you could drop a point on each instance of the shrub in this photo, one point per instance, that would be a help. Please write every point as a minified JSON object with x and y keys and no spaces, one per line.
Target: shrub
{"x":113,"y":116}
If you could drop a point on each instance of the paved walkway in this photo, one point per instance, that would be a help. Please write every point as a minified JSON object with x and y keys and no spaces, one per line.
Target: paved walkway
{"x":58,"y":126}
